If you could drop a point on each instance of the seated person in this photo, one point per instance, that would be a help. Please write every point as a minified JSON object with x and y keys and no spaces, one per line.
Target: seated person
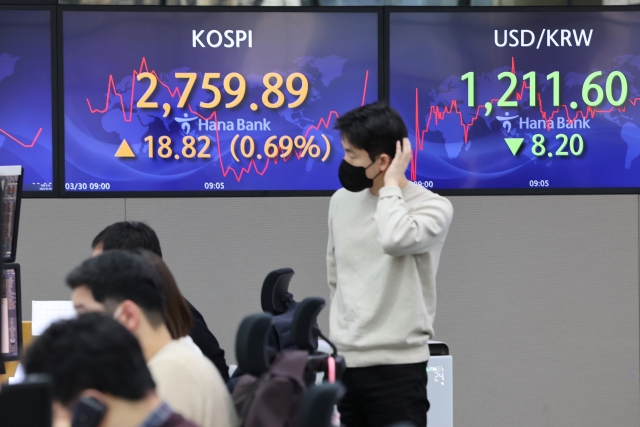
{"x":125,"y":286}
{"x":95,"y":357}
{"x":177,"y":315}
{"x":129,"y":235}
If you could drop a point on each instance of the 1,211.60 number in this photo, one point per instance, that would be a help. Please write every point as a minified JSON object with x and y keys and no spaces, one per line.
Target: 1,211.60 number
{"x":589,"y":89}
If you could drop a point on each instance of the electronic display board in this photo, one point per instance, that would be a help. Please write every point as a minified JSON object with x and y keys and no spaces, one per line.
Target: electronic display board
{"x":213,"y":101}
{"x":519,"y":100}
{"x":26,"y":97}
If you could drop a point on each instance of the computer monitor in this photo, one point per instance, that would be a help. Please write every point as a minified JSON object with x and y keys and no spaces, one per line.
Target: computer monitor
{"x":2,"y":370}
{"x":24,"y":2}
{"x":27,"y":404}
{"x":11,"y":184}
{"x":11,"y":313}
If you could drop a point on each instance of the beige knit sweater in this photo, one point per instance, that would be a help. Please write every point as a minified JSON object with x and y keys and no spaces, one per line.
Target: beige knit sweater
{"x":382,"y":259}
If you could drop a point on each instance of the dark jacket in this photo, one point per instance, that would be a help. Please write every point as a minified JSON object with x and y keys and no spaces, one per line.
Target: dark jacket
{"x":202,"y":336}
{"x":275,"y":398}
{"x":177,"y":421}
{"x":279,"y":335}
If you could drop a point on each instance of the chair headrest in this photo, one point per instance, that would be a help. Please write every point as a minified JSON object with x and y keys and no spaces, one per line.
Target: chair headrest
{"x":403,"y":424}
{"x":317,"y":405}
{"x":304,"y":320}
{"x":274,"y":286}
{"x":251,"y":344}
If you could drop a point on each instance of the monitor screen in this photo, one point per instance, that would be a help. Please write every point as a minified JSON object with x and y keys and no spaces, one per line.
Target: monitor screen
{"x":210,"y":101}
{"x":11,"y":332}
{"x":519,"y":101}
{"x":26,"y":117}
{"x":11,"y":184}
{"x":2,"y":367}
{"x":27,"y":404}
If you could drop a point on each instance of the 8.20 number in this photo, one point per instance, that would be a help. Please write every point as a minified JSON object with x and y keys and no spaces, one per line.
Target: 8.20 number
{"x":575,"y":142}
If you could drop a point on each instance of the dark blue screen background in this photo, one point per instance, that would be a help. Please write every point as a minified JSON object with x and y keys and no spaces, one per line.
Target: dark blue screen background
{"x":429,"y":52}
{"x":337,"y":52}
{"x":25,"y":96}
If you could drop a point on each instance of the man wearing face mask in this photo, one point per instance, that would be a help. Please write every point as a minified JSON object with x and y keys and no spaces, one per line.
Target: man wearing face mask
{"x":385,"y":238}
{"x":128,"y":288}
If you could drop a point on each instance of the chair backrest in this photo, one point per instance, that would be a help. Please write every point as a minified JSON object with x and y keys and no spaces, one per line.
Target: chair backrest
{"x":251,"y":344}
{"x":304,"y":321}
{"x":274,"y":286}
{"x":304,"y":334}
{"x":273,"y":399}
{"x":318,"y":403}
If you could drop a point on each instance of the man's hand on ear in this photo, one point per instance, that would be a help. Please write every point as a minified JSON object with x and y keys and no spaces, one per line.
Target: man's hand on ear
{"x":395,"y":175}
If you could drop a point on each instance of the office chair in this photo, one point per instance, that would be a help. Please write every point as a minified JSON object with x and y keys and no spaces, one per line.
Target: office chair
{"x":318,"y":403}
{"x":304,"y":320}
{"x":252,"y":351}
{"x":275,"y":285}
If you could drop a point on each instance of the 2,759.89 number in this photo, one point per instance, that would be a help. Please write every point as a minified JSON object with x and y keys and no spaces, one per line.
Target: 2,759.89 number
{"x":234,"y":84}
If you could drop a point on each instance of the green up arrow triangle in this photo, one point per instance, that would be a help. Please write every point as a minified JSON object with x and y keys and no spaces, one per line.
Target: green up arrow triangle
{"x":514,"y":144}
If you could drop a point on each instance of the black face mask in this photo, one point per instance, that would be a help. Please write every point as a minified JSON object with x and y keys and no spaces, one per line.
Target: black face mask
{"x":354,"y":178}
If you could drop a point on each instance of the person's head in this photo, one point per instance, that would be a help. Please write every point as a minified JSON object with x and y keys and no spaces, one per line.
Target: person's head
{"x":369,"y":137}
{"x":121,"y":284}
{"x":127,"y":235}
{"x":139,"y":238}
{"x":91,"y":356}
{"x":176,"y":311}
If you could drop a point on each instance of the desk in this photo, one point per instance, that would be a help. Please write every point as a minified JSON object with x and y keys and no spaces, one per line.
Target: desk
{"x":12,"y":366}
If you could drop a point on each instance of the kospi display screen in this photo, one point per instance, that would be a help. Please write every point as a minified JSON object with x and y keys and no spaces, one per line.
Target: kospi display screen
{"x":510,"y":100}
{"x":211,"y":101}
{"x":26,"y":104}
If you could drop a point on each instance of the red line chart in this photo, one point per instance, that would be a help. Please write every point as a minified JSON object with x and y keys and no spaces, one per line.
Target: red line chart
{"x":127,"y":114}
{"x":25,"y":145}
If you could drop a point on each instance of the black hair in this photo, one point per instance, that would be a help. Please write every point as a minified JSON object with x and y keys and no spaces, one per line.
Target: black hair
{"x":92,"y":351}
{"x":374,"y":128}
{"x":177,"y":315}
{"x":115,"y":276}
{"x":128,"y":235}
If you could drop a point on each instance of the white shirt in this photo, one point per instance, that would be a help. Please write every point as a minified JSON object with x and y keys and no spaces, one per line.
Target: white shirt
{"x":188,"y":340}
{"x":192,"y":385}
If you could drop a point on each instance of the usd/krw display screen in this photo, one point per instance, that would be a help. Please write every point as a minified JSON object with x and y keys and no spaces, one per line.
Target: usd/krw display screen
{"x":211,"y":101}
{"x":519,"y":100}
{"x":26,"y":122}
